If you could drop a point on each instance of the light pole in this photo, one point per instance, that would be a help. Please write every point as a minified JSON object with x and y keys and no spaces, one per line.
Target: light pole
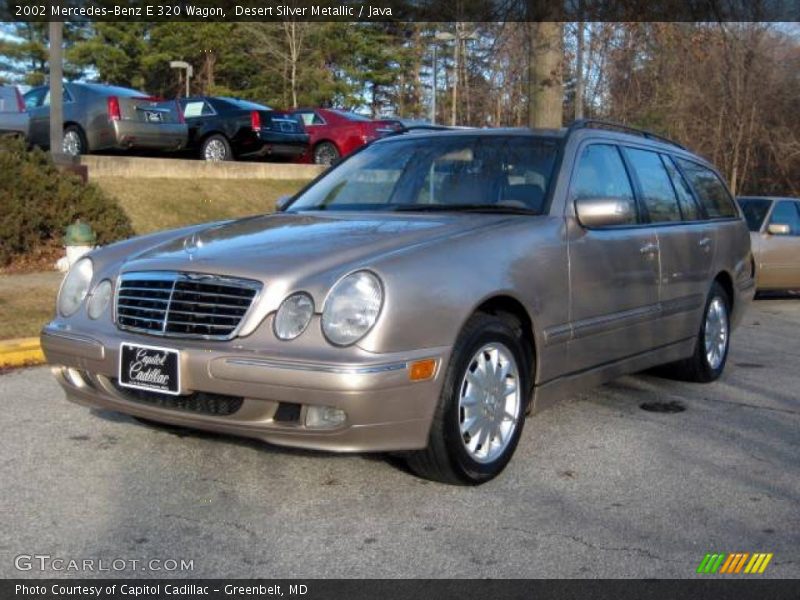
{"x":56,"y":91}
{"x":433,"y":99}
{"x":439,"y":36}
{"x":181,"y":64}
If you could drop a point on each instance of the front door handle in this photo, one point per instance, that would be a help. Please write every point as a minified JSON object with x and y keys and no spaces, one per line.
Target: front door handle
{"x":705,"y":244}
{"x":649,"y":248}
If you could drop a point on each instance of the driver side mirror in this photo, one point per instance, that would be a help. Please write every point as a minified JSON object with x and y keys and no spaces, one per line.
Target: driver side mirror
{"x":282,"y":202}
{"x":778,"y":229}
{"x":593,"y":213}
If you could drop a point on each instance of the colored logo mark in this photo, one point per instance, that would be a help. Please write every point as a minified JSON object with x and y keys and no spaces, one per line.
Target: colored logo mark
{"x":734,"y":563}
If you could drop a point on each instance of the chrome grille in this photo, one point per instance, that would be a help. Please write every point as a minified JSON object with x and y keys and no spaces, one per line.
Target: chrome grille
{"x":190,"y":305}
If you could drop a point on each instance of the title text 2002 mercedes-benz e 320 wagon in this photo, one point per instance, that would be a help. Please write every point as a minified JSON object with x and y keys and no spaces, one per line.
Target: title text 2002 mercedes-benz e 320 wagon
{"x":422,"y":296}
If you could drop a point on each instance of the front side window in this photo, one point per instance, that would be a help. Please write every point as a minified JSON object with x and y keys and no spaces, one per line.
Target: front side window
{"x":786,"y":213}
{"x":658,"y":195}
{"x":710,"y":191}
{"x":755,"y":211}
{"x":462,"y":172}
{"x":601,"y":174}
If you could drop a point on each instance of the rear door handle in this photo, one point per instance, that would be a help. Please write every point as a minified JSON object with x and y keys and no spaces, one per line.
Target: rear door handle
{"x":705,"y":244}
{"x":649,"y":248}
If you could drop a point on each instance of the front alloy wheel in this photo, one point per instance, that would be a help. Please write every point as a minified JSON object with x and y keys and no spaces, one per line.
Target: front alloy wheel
{"x":481,"y":411}
{"x":489,"y":403}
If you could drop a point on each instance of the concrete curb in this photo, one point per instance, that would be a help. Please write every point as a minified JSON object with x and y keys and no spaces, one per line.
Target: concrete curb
{"x":176,"y":168}
{"x":20,"y":352}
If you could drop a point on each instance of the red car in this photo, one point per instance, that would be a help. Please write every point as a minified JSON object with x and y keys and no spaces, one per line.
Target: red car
{"x":335,"y":133}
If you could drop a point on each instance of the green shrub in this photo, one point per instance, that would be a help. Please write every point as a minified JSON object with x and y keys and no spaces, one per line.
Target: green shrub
{"x":37,"y":202}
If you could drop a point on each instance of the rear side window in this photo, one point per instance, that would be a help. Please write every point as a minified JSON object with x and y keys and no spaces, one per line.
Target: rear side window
{"x":196,"y":108}
{"x":689,"y":208}
{"x":311,"y":118}
{"x":601,"y":174}
{"x":755,"y":210}
{"x":709,"y":190}
{"x":34,"y":97}
{"x":657,"y":193}
{"x":786,"y":213}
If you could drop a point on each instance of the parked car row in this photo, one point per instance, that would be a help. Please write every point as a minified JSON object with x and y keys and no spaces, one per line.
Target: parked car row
{"x":102,"y":117}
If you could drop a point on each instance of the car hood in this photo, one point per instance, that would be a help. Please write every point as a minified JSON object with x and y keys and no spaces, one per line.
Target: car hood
{"x":300,"y":244}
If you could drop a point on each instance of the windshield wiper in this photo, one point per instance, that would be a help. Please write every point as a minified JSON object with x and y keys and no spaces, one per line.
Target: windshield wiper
{"x":484,"y":208}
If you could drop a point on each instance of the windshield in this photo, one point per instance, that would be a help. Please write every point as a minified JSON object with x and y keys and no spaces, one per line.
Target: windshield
{"x":755,"y":210}
{"x":439,"y":173}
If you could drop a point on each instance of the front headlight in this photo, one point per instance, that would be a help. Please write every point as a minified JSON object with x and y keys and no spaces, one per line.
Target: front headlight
{"x":75,"y":287}
{"x":100,"y":299}
{"x":293,"y":316}
{"x":352,"y":308}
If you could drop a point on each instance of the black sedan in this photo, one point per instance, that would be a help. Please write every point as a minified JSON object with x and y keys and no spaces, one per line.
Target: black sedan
{"x":229,"y":128}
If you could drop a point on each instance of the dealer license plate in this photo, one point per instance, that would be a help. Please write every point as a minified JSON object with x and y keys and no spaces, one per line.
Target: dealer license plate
{"x":149,"y":368}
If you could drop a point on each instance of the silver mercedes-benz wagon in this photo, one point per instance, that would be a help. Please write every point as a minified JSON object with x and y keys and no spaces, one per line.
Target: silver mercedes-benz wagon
{"x":423,"y":296}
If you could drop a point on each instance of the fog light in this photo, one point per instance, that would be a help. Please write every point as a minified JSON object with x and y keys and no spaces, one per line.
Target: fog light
{"x":324,"y":417}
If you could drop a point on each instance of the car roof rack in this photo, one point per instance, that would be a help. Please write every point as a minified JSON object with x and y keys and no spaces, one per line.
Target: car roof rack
{"x":611,"y":126}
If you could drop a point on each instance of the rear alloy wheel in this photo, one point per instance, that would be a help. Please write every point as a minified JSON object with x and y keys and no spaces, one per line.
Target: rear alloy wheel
{"x":72,"y":143}
{"x":713,"y":342}
{"x":216,"y":148}
{"x":481,"y":410}
{"x":325,"y":153}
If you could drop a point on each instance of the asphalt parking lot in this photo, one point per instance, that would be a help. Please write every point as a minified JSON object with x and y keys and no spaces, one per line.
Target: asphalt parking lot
{"x":598,"y":487}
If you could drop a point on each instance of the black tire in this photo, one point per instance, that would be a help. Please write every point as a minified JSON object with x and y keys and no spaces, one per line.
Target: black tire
{"x":325,"y":153}
{"x":79,"y":147}
{"x":216,"y":148}
{"x":697,"y":367}
{"x":446,"y":459}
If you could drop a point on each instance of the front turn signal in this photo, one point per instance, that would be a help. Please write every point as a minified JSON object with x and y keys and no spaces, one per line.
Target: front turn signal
{"x":422,"y":369}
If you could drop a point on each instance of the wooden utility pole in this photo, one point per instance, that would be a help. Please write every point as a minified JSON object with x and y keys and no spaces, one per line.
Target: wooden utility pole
{"x":56,"y":90}
{"x":579,"y":73}
{"x":545,"y":87}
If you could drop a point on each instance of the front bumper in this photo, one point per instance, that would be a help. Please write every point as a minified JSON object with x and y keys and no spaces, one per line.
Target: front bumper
{"x":384,"y":409}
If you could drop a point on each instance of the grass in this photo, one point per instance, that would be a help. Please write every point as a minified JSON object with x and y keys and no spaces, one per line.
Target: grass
{"x":154,"y":204}
{"x":27,"y":301}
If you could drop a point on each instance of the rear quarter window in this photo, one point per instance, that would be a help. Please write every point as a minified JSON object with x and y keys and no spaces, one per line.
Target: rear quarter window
{"x":709,"y":190}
